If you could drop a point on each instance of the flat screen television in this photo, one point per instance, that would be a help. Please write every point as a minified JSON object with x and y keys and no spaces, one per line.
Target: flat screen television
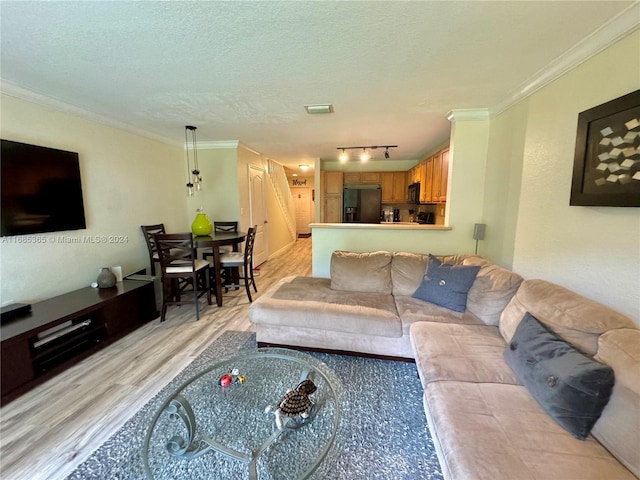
{"x":41,"y":190}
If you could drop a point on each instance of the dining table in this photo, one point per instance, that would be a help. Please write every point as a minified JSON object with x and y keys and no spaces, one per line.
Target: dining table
{"x":214,"y":241}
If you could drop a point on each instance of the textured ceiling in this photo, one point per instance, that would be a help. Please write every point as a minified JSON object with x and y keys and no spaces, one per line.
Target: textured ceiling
{"x":244,"y":70}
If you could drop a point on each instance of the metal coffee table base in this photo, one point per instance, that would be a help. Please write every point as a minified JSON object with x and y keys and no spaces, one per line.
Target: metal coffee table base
{"x":188,"y":448}
{"x":208,"y":428}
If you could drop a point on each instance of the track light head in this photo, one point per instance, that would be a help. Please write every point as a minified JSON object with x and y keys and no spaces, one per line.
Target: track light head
{"x":386,"y":153}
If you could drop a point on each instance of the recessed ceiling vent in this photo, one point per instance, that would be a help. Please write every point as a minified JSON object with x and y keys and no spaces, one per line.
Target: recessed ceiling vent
{"x":313,"y":109}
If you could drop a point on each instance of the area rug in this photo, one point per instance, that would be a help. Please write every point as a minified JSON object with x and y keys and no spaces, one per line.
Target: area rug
{"x":385,"y":437}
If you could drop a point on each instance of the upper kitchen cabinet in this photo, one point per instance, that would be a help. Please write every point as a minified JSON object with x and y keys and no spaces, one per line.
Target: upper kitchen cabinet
{"x":332,"y":184}
{"x":444,"y":175}
{"x":370,"y":177}
{"x":331,"y":187}
{"x":359,"y":178}
{"x":433,"y":185}
{"x":394,"y":187}
{"x":352,"y":178}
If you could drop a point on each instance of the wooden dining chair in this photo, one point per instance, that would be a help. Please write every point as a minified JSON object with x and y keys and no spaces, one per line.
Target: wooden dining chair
{"x":182,"y":272}
{"x":222,"y":227}
{"x":149,"y":232}
{"x":237,"y":267}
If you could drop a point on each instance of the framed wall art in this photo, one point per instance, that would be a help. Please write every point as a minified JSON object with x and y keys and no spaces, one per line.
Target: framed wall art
{"x":606,"y":167}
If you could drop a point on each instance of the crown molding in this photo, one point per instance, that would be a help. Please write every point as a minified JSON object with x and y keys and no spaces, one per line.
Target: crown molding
{"x":468,"y":114}
{"x":249,"y":149}
{"x":12,"y":90}
{"x":625,"y":23}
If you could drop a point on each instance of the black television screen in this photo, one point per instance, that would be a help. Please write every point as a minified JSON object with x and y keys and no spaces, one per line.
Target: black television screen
{"x":41,"y":190}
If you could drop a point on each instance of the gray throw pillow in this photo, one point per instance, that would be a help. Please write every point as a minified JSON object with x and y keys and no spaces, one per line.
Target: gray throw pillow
{"x":446,"y":285}
{"x":571,"y":387}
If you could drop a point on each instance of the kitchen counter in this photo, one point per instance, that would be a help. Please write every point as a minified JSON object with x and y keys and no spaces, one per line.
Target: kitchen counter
{"x":381,"y":226}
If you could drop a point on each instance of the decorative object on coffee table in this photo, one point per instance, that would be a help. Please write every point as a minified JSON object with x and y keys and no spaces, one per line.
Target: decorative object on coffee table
{"x":295,"y":403}
{"x":106,"y":278}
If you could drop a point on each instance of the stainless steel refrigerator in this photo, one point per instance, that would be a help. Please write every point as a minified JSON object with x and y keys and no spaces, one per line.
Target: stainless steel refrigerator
{"x":362,"y":205}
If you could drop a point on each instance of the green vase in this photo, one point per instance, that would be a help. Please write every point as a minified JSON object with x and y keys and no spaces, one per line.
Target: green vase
{"x":201,"y":225}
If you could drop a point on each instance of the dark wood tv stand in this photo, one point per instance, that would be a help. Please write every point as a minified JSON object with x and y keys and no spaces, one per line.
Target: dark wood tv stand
{"x":61,"y":331}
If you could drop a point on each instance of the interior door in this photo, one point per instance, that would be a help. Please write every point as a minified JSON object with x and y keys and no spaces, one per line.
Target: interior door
{"x":258,"y":213}
{"x":302,"y":203}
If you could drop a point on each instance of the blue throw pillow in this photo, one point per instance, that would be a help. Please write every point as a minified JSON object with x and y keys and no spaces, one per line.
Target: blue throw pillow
{"x":446,"y":285}
{"x":571,"y":387}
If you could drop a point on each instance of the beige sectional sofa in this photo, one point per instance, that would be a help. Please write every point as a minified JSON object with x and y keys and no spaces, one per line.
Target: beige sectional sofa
{"x":366,"y":306}
{"x":485,"y":424}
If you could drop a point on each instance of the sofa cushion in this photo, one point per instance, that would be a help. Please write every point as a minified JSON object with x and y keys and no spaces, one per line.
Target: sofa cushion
{"x":468,"y":353}
{"x":491,"y":291}
{"x":407,"y":269}
{"x":569,"y":386}
{"x":578,"y":320}
{"x":412,"y":310}
{"x":618,"y":428}
{"x":311,"y":303}
{"x":361,"y":272}
{"x":446,"y":285}
{"x":488,"y":431}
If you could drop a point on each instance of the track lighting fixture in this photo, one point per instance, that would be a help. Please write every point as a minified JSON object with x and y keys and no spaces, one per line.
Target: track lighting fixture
{"x":364,"y":156}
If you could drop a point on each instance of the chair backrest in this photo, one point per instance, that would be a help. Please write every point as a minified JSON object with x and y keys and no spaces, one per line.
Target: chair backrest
{"x":149,"y":231}
{"x":225,"y":226}
{"x":248,"y":246}
{"x":175,"y":250}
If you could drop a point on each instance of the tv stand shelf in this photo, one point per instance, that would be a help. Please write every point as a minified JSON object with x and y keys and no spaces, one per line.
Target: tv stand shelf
{"x":61,"y":331}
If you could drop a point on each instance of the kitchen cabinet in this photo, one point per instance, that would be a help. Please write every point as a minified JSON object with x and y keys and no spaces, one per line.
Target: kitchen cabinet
{"x":433,"y":183}
{"x":333,"y":209}
{"x":332,"y":185}
{"x":359,"y":178}
{"x":394,"y":187}
{"x":426,"y":185}
{"x":444,"y":175}
{"x":370,"y":177}
{"x":352,"y":178}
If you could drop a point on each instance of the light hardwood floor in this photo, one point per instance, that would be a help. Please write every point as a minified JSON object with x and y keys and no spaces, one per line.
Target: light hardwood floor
{"x":49,"y":431}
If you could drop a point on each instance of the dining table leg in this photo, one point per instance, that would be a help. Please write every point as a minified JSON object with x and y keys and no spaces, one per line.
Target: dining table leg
{"x":216,"y":269}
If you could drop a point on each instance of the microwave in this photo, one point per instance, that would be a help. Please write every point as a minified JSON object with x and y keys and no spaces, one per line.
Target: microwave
{"x":413,"y":193}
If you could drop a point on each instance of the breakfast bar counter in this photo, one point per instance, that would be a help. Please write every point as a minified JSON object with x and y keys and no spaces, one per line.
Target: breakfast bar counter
{"x":391,"y":237}
{"x":382,"y":225}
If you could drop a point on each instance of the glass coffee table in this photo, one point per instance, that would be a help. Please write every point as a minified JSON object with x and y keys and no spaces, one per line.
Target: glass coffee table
{"x":222,"y":423}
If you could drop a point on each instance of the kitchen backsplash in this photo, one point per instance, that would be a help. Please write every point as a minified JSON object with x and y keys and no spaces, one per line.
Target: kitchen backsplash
{"x":409,"y":212}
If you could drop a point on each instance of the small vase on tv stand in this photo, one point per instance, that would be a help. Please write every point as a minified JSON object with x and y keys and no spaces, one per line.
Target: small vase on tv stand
{"x":201,"y":225}
{"x":106,"y":278}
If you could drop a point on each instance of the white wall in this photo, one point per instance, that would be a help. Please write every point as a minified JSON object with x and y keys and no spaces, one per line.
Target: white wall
{"x":219,"y":197}
{"x":127,"y":181}
{"x":594,"y":251}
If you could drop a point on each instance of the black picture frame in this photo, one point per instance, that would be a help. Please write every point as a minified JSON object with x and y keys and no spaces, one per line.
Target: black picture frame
{"x":606,"y":166}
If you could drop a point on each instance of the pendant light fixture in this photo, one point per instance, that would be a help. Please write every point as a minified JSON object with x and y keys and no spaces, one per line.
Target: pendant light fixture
{"x":194,"y":179}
